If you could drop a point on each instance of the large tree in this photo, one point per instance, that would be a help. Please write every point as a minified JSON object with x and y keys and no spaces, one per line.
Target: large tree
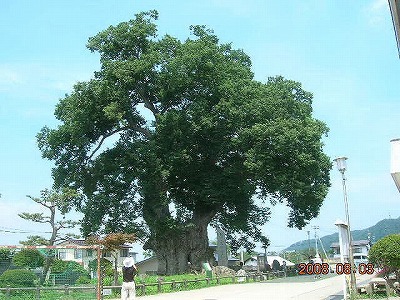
{"x":171,"y":136}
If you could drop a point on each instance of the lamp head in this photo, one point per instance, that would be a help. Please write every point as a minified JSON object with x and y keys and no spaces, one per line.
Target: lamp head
{"x":341,"y":163}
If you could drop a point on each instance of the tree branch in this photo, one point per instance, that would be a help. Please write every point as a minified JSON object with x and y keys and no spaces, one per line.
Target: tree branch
{"x":142,"y":130}
{"x":40,"y":201}
{"x":147,"y":103}
{"x":102,"y":141}
{"x":35,"y":217}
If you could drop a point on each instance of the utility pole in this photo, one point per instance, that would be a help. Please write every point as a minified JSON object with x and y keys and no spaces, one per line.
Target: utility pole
{"x":309,"y":244}
{"x":316,"y":241}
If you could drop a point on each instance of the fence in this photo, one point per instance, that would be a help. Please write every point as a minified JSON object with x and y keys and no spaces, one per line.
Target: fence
{"x":174,"y":286}
{"x":44,"y":293}
{"x":67,"y":292}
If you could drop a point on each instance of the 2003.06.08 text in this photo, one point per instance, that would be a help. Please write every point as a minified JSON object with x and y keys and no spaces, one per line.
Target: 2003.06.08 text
{"x":341,"y":268}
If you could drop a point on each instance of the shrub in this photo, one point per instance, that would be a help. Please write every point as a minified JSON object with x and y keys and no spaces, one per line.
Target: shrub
{"x":83,"y":280}
{"x":28,"y":258}
{"x":60,"y":266}
{"x":18,"y":278}
{"x":105,"y":264}
{"x":6,"y":255}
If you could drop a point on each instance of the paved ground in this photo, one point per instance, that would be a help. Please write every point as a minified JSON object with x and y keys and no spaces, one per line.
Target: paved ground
{"x":299,"y":288}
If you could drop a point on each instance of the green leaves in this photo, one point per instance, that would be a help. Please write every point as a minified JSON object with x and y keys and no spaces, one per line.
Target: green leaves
{"x":28,"y":258}
{"x":385,"y":254}
{"x":127,"y":39}
{"x":172,"y":134}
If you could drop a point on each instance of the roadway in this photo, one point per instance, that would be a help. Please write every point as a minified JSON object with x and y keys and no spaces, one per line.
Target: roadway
{"x":299,"y":288}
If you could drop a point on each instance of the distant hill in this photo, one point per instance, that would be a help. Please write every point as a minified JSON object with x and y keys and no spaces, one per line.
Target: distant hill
{"x":376,"y":232}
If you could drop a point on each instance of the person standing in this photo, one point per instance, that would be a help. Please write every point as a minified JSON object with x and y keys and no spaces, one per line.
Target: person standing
{"x":129,"y":270}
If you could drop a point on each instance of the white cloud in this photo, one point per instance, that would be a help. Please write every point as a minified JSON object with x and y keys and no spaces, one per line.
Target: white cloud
{"x":8,"y":77}
{"x":378,"y":5}
{"x":377,"y":11}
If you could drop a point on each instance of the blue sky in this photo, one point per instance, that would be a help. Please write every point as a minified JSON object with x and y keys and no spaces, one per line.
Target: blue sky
{"x":344,"y":52}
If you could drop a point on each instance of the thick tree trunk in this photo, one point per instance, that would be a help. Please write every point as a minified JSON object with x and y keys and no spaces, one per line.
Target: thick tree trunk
{"x":180,"y":251}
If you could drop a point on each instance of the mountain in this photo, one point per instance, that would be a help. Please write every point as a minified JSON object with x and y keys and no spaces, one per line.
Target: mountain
{"x":376,"y":232}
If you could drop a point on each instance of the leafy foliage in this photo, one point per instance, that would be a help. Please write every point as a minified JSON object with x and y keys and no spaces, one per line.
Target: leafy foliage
{"x":171,"y":136}
{"x":386,"y":254}
{"x":35,"y":240}
{"x":59,"y":266}
{"x":28,"y":258}
{"x":105,"y":264}
{"x":6,"y":255}
{"x":111,"y":241}
{"x":83,"y":280}
{"x":18,"y":278}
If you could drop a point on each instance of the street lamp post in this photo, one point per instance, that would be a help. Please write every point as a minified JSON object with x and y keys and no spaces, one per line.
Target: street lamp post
{"x":341,"y":165}
{"x":395,"y":162}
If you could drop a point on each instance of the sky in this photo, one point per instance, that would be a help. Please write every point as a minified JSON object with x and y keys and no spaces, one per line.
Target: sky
{"x":344,"y":52}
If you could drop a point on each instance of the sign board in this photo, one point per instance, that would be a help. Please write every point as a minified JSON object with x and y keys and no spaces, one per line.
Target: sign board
{"x":107,"y":292}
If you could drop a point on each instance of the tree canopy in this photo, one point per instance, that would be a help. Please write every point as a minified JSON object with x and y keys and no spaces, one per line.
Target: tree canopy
{"x":171,"y":136}
{"x":385,"y":254}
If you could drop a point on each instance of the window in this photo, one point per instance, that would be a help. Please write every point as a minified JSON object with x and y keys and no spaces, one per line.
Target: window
{"x":77,"y":253}
{"x":62,"y":254}
{"x":89,"y":253}
{"x":124,"y":252}
{"x":107,"y":254}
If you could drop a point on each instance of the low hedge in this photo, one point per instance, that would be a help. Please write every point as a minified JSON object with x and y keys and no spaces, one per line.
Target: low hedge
{"x":18,"y":278}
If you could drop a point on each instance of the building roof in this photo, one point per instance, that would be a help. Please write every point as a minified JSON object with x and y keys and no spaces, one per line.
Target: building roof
{"x":78,"y":242}
{"x":147,"y":260}
{"x":82,"y":242}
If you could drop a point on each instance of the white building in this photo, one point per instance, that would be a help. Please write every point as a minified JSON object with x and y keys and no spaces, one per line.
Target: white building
{"x":251,"y":263}
{"x":360,"y":247}
{"x":84,"y":256}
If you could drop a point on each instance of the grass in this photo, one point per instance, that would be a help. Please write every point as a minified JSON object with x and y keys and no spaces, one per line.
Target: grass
{"x":48,"y":295}
{"x":374,"y":296}
{"x":169,"y":284}
{"x":173,"y":283}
